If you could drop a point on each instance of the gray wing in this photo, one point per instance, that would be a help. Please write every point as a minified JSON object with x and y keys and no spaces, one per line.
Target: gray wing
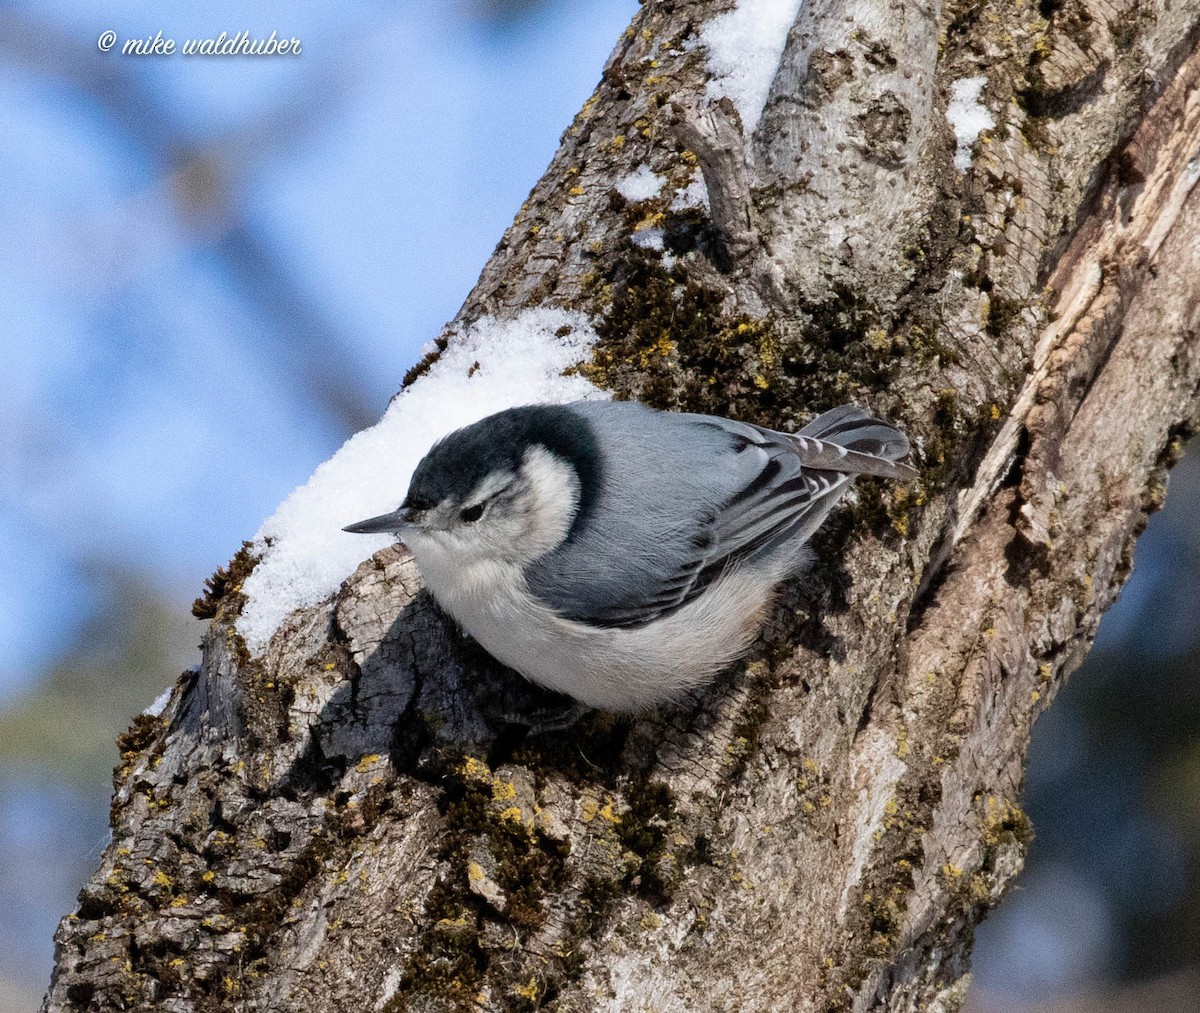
{"x":783,"y":502}
{"x":798,"y":479}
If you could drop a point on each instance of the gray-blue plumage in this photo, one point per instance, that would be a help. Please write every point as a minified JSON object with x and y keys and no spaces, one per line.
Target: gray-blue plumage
{"x":738,"y":492}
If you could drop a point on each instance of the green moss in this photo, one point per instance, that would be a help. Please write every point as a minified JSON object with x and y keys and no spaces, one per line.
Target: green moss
{"x":452,"y":959}
{"x":447,"y":967}
{"x":222,"y":591}
{"x":1001,"y":312}
{"x":1069,"y":20}
{"x":134,"y":740}
{"x":441,"y":343}
{"x":1005,"y":822}
{"x":180,"y":879}
{"x":666,"y":339}
{"x":1037,"y":132}
{"x":587,"y":755}
{"x":488,"y":824}
{"x":645,"y":831}
{"x":874,"y":929}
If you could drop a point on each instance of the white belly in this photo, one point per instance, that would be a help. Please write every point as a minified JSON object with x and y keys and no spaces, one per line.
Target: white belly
{"x":614,"y":669}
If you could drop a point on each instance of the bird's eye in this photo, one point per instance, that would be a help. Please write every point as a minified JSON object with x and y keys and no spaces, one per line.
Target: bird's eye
{"x":472,"y":513}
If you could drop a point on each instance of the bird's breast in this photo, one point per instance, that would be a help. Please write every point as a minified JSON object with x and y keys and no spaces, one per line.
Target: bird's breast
{"x":458,"y":582}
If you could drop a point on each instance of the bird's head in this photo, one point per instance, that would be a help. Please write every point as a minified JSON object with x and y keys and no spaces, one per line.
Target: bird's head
{"x":506,"y":489}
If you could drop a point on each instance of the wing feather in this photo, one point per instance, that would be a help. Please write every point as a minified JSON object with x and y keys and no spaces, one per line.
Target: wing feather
{"x":775,"y":502}
{"x":799,"y":479}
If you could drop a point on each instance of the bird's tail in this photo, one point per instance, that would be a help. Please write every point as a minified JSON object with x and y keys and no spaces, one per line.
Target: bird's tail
{"x":880,"y":444}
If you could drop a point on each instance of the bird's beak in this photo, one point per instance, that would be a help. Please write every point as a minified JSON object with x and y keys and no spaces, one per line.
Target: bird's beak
{"x":392,"y":523}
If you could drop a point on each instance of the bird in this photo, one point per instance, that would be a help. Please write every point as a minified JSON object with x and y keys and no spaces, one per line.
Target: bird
{"x":620,"y":554}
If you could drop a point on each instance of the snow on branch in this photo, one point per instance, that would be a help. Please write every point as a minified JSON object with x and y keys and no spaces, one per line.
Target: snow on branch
{"x":492,"y":365}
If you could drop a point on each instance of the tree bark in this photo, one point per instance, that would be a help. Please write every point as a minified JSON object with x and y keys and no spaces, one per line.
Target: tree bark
{"x":342,"y":822}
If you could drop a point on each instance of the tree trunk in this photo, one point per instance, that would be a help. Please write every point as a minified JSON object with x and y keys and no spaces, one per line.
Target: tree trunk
{"x":339,"y":821}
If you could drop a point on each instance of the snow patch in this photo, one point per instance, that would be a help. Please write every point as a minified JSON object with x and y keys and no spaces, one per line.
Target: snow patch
{"x":160,"y":703}
{"x":968,"y":116}
{"x":492,"y":365}
{"x":649,"y":239}
{"x":694,"y":195}
{"x":641,"y":184}
{"x":744,"y":47}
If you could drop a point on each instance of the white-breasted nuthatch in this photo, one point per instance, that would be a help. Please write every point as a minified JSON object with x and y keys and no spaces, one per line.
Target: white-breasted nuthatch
{"x":619,"y":554}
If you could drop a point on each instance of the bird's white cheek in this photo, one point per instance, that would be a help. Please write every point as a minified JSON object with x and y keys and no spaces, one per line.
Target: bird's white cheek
{"x":453,"y":573}
{"x":550,"y":503}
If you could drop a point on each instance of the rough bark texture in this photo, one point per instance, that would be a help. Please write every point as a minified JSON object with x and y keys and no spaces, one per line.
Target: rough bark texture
{"x":344,"y":824}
